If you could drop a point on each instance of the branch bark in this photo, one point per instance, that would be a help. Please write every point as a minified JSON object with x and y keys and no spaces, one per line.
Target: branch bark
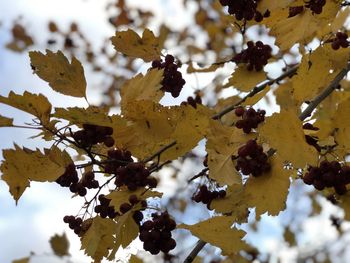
{"x":324,"y":94}
{"x":195,"y":251}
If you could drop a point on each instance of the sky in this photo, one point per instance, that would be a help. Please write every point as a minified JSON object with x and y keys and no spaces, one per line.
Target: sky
{"x":29,"y":225}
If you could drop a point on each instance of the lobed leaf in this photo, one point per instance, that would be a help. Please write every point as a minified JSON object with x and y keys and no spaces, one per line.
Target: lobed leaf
{"x":20,"y":166}
{"x":62,"y":76}
{"x":37,"y":105}
{"x":283,"y":132}
{"x":245,"y":80}
{"x":131,"y":44}
{"x":218,"y":232}
{"x":142,"y":87}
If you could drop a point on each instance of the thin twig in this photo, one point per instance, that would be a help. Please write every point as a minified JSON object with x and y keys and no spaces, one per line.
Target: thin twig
{"x":256,"y":90}
{"x":201,"y":173}
{"x":324,"y":94}
{"x":158,"y":167}
{"x":195,"y":251}
{"x":166,"y":147}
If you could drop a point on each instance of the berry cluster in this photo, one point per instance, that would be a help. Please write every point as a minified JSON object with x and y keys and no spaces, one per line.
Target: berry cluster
{"x":255,"y":55}
{"x":74,"y":223}
{"x":93,"y":134}
{"x":250,"y":118}
{"x":206,"y":196}
{"x":134,"y":175}
{"x":340,"y":40}
{"x":328,"y":174}
{"x":70,"y":179}
{"x":104,"y":209}
{"x":156,"y":233}
{"x":245,"y":9}
{"x":172,"y":81}
{"x":70,"y":176}
{"x":315,"y":6}
{"x":193,"y":101}
{"x":85,"y":182}
{"x":252,"y":159}
{"x":117,"y":159}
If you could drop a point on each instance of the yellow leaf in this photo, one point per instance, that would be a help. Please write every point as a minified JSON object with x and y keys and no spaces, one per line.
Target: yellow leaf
{"x":229,"y":118}
{"x":91,"y":115}
{"x":272,"y":4}
{"x":245,"y":80}
{"x":60,"y":245}
{"x":142,"y":88}
{"x":301,"y":28}
{"x":313,"y":73}
{"x":285,"y":98}
{"x":256,"y":98}
{"x":20,"y":166}
{"x":268,"y":192}
{"x":5,"y":122}
{"x":234,"y":203}
{"x":22,"y":260}
{"x":61,"y":158}
{"x":223,"y":142}
{"x":283,"y":131}
{"x":122,"y":196}
{"x":34,"y":104}
{"x":151,"y":126}
{"x":99,"y":239}
{"x":131,"y":44}
{"x":218,"y":232}
{"x":342,"y":125}
{"x":62,"y":76}
{"x":211,"y":68}
{"x":126,"y":231}
{"x":326,"y":113}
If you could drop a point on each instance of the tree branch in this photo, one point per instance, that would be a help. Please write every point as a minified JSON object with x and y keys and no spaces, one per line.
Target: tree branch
{"x":256,"y":90}
{"x":324,"y":94}
{"x":195,"y":251}
{"x":201,"y":173}
{"x":158,"y":153}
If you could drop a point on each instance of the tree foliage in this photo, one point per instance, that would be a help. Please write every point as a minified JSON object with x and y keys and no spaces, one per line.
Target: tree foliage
{"x":250,"y":159}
